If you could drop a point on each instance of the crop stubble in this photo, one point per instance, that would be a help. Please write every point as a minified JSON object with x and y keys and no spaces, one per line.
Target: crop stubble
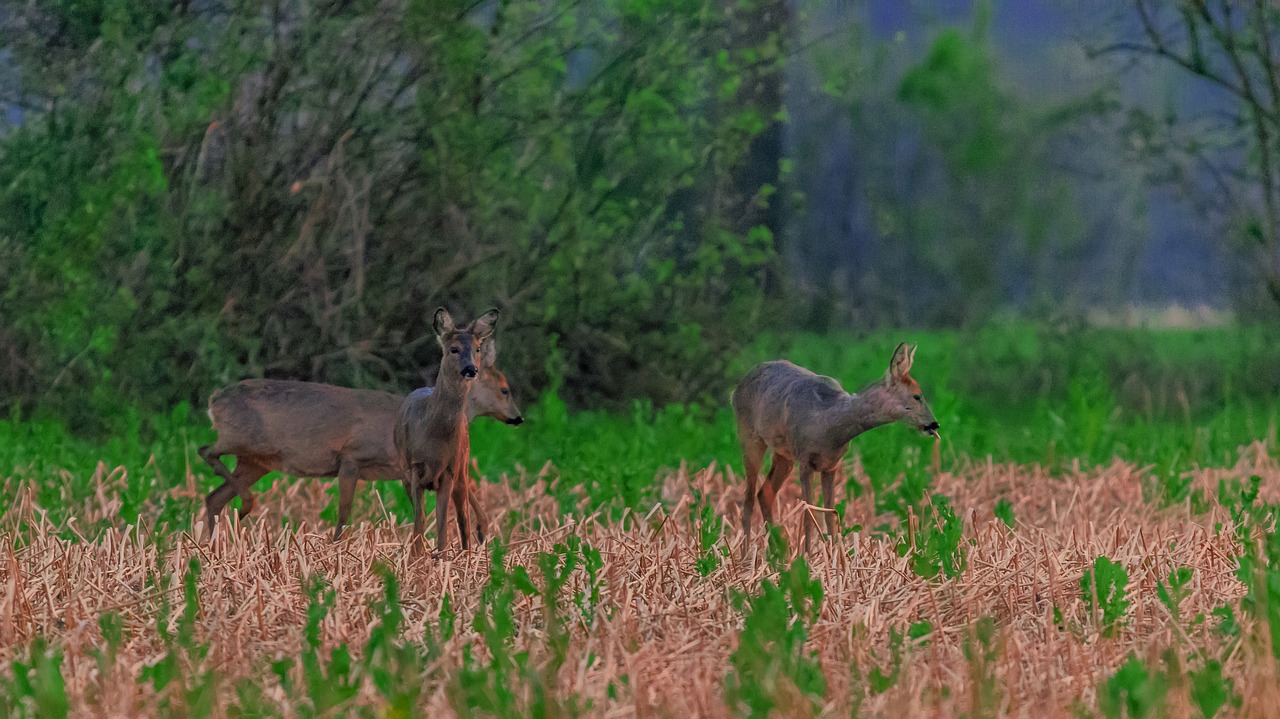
{"x":660,"y":623}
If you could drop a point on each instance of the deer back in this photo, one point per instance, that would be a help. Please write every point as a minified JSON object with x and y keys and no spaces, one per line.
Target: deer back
{"x":786,"y":405}
{"x":306,"y":428}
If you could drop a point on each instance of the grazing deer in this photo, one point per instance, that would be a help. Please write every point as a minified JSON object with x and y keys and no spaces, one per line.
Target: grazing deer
{"x":430,"y":435}
{"x":309,"y":429}
{"x":807,"y":418}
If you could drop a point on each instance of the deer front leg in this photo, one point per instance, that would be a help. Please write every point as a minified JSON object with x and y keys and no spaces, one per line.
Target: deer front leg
{"x":414,"y":486}
{"x":443,"y":491}
{"x":752,"y":457}
{"x":829,"y":502}
{"x":460,"y":507}
{"x":348,"y":478}
{"x":806,"y":492}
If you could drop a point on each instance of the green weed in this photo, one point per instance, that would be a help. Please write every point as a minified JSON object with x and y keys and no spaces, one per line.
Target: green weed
{"x":1210,"y":691}
{"x":981,"y":651}
{"x":773,"y":669}
{"x":1133,"y":691}
{"x":1104,"y":591}
{"x":36,"y":687}
{"x":1004,"y":512}
{"x":936,"y":546}
{"x":1172,"y":594}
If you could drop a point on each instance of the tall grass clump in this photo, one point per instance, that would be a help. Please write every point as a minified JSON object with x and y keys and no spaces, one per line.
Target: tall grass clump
{"x":773,"y":670}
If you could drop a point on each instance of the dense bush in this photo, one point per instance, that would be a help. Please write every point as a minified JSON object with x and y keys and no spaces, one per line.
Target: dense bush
{"x":204,"y":191}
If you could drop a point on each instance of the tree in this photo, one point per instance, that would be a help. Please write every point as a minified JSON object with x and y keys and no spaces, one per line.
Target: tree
{"x":1233,"y":46}
{"x":215,"y":190}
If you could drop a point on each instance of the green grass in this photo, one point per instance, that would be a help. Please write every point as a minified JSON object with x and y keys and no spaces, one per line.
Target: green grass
{"x":1170,"y":399}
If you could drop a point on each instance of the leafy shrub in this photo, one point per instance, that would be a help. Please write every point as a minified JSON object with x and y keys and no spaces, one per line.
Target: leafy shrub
{"x":290,"y":197}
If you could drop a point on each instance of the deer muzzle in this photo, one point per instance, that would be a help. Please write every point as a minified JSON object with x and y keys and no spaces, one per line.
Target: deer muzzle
{"x":470,"y":371}
{"x":930,"y":429}
{"x":515,"y":420}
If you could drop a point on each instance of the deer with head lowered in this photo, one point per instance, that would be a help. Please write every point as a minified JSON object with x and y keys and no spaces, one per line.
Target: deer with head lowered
{"x":309,"y":429}
{"x":809,"y":420}
{"x":431,"y":436}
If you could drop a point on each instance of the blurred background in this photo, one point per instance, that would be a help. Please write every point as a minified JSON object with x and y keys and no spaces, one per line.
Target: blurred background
{"x":196,"y":192}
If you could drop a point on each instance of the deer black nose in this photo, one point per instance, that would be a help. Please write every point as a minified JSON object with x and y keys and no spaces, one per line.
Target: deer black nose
{"x":931,"y":425}
{"x":515,"y":420}
{"x":469,"y":371}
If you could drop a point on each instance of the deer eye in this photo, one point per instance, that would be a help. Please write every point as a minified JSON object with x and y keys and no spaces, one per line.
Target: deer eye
{"x":453,"y":350}
{"x":916,"y":397}
{"x":505,"y":391}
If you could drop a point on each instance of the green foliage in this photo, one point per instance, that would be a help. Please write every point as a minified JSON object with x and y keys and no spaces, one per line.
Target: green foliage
{"x":327,"y":683}
{"x":937,"y":546}
{"x":185,"y":688}
{"x":1104,"y":591}
{"x":957,"y":187}
{"x":1133,"y":691}
{"x":1172,"y":594}
{"x":883,"y":678}
{"x":773,"y":670}
{"x":955,"y":82}
{"x":520,"y":683}
{"x":397,"y":668}
{"x":981,"y":651}
{"x":1259,"y":571}
{"x":36,"y":687}
{"x":1210,"y":691}
{"x":283,"y":196}
{"x":1004,"y":512}
{"x":711,"y":534}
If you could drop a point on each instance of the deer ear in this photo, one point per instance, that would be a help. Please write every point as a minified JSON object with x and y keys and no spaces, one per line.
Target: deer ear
{"x":901,"y":362}
{"x":488,"y":352}
{"x":484,"y":325}
{"x":443,"y":322}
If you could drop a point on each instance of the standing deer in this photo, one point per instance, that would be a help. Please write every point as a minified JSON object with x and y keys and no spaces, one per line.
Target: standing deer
{"x":309,"y":429}
{"x":807,"y":418}
{"x":430,"y":435}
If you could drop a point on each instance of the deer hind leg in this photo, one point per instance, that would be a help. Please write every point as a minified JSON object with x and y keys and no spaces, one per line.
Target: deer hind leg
{"x":779,"y":470}
{"x":806,"y":491}
{"x":753,"y":449}
{"x":348,"y":479}
{"x":247,"y":474}
{"x":477,"y":509}
{"x":829,"y":502}
{"x":223,"y":493}
{"x":215,"y":501}
{"x":213,"y":457}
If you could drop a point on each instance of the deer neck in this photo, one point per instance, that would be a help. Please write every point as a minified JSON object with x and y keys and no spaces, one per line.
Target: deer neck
{"x":451,"y":391}
{"x":860,"y":412}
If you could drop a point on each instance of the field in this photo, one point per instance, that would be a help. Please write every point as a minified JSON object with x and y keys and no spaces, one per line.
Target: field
{"x":1094,"y":536}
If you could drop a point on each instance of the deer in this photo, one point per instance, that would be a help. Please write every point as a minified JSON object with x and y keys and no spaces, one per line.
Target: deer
{"x":430,"y":435}
{"x":808,"y":419}
{"x":310,"y":429}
